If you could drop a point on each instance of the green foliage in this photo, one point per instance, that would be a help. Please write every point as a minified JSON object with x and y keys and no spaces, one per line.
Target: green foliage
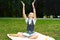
{"x":13,"y":8}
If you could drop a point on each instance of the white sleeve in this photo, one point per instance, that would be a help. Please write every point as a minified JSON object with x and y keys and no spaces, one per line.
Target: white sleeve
{"x":26,"y":20}
{"x":34,"y":21}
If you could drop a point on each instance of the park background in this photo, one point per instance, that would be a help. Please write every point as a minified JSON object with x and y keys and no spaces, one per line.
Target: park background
{"x":48,"y":17}
{"x":13,"y":8}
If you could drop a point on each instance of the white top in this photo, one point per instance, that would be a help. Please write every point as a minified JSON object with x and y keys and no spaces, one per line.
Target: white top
{"x":30,"y":20}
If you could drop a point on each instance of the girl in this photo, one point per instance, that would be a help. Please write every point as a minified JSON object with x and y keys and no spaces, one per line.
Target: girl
{"x":30,"y":20}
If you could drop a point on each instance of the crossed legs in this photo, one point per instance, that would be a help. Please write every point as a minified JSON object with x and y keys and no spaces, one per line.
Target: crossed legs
{"x":19,"y":34}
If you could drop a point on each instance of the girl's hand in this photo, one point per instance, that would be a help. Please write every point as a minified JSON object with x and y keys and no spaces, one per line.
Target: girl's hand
{"x":33,"y":2}
{"x":23,"y":3}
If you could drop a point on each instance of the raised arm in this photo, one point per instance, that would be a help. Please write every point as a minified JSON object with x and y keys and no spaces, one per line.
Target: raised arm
{"x":34,"y":10}
{"x":24,"y":15}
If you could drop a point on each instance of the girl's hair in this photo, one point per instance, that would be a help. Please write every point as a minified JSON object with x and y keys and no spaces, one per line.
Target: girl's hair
{"x":31,"y":13}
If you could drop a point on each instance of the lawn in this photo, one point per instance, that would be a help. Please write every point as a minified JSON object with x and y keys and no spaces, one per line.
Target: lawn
{"x":46,"y":27}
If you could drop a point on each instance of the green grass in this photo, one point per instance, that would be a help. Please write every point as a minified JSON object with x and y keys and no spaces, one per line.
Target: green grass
{"x":46,"y":27}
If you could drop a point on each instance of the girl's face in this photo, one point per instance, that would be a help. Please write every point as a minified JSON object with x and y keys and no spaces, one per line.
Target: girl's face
{"x":30,"y":15}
